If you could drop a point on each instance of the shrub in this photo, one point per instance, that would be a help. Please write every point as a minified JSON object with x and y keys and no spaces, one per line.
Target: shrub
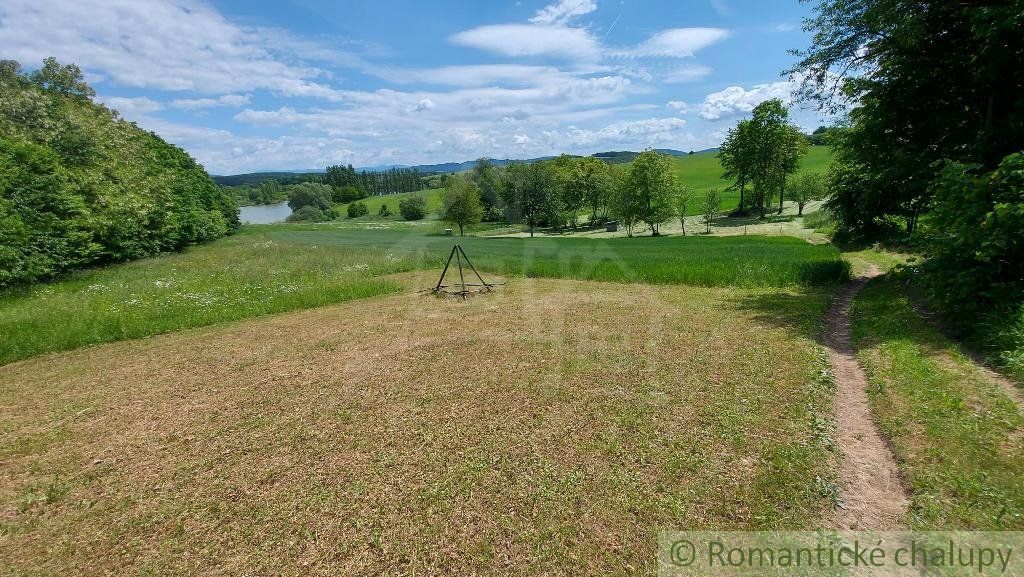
{"x":312,"y":194}
{"x":307,"y":214}
{"x":357,"y":209}
{"x":347,"y":193}
{"x":384,"y":210}
{"x":820,"y":220}
{"x":413,"y":207}
{"x":977,"y":237}
{"x":79,"y":186}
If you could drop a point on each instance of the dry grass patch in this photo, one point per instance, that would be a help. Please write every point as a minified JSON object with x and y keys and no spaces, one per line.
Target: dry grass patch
{"x":553,"y":426}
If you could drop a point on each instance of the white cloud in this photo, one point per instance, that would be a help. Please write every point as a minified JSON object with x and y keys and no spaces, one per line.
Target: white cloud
{"x":233,"y":100}
{"x":562,"y":11}
{"x":785,"y":27}
{"x":531,"y":40}
{"x":675,"y":43}
{"x":475,"y":75}
{"x":132,"y":108}
{"x":686,"y":74}
{"x":425,"y":104}
{"x":682,"y":107}
{"x":736,"y":100}
{"x":171,"y":45}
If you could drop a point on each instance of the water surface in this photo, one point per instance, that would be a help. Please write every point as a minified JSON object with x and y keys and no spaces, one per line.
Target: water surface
{"x":264,"y":213}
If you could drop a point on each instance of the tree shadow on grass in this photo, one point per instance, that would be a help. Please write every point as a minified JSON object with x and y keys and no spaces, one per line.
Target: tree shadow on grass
{"x":798,"y":311}
{"x":725,"y":221}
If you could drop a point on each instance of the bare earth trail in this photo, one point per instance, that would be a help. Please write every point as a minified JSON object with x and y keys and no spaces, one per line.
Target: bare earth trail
{"x":870,"y":486}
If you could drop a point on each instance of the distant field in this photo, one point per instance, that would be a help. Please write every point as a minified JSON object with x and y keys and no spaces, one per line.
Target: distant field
{"x":702,"y":172}
{"x":276,"y":268}
{"x":373,"y":203}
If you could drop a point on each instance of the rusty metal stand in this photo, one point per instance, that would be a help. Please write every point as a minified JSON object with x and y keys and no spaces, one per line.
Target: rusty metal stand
{"x":462,"y":289}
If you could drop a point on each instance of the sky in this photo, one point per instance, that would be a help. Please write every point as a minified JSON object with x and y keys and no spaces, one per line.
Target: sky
{"x":246,"y":86}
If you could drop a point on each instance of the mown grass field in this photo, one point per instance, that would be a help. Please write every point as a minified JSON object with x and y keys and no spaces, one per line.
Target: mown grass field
{"x":267,"y":269}
{"x":956,"y":432}
{"x":551,"y":427}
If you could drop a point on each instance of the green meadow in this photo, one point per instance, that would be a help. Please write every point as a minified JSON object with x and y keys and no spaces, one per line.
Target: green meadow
{"x":274,"y":268}
{"x":702,"y":172}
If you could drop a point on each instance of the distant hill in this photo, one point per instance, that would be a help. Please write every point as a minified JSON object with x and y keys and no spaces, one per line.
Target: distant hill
{"x":286,"y":176}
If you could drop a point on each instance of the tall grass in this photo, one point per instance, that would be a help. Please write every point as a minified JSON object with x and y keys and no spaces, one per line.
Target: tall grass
{"x":287,"y":267}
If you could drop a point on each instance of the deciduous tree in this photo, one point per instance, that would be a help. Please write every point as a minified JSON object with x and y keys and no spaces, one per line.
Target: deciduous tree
{"x":460,"y":203}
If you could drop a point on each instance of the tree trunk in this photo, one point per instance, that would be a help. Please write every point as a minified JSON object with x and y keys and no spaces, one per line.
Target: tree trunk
{"x":782,"y":193}
{"x":461,"y":233}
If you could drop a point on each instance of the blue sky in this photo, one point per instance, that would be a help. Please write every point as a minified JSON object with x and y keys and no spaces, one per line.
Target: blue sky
{"x":246,"y":86}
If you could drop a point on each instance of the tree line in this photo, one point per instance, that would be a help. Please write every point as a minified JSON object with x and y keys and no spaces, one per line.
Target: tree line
{"x":567,"y":192}
{"x":352,"y":184}
{"x":79,"y":186}
{"x":929,"y":151}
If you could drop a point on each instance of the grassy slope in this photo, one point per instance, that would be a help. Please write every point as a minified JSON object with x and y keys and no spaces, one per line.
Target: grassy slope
{"x":702,"y":172}
{"x":286,"y":267}
{"x":373,"y":203}
{"x":957,"y":436}
{"x":552,"y":427}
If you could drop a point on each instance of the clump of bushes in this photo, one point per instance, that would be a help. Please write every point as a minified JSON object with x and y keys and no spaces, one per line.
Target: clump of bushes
{"x":307,"y":214}
{"x":384,"y":210}
{"x":976,"y":242}
{"x":821,"y":221}
{"x":312,"y":194}
{"x":357,"y":209}
{"x":79,"y":186}
{"x":413,"y":207}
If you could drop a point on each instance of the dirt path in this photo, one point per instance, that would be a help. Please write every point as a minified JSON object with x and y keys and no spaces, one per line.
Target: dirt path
{"x":872,"y":492}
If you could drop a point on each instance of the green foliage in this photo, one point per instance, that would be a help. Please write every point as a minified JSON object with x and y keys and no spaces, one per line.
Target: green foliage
{"x":346,"y":193}
{"x":487,"y":181}
{"x":384,"y":211}
{"x":930,"y":81}
{"x":976,"y":243}
{"x":80,"y":187}
{"x":710,"y":207}
{"x":529,"y":194}
{"x":584,"y":182}
{"x":683,"y":200}
{"x":413,"y":207}
{"x":351,"y":184}
{"x":763,"y":151}
{"x":820,"y":221}
{"x":308,"y":213}
{"x":804,"y":188}
{"x":266,"y":192}
{"x":357,"y":209}
{"x":460,"y":203}
{"x":648,"y":192}
{"x":310,"y":194}
{"x":955,"y":432}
